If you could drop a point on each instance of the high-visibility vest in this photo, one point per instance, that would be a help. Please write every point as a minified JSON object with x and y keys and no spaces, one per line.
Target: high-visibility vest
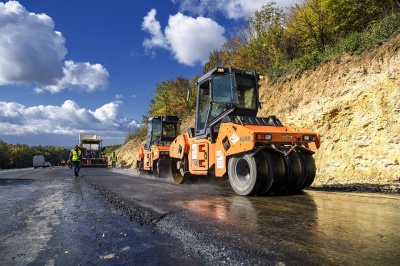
{"x":113,"y":157}
{"x":76,"y":155}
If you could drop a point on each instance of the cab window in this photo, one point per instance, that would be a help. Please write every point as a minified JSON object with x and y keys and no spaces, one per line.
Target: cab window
{"x":246,"y":91}
{"x":169,"y":130}
{"x":156,"y":133}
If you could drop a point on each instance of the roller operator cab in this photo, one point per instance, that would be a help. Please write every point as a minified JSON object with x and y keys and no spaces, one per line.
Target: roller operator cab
{"x":154,"y":156}
{"x":260,"y":155}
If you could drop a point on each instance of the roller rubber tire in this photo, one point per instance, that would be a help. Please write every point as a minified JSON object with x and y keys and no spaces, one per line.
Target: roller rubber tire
{"x":298,"y":172}
{"x":278,"y":168}
{"x":310,"y":170}
{"x":265,"y":172}
{"x":242,"y":172}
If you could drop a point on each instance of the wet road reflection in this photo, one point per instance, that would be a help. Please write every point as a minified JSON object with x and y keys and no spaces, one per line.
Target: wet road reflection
{"x":338,"y":228}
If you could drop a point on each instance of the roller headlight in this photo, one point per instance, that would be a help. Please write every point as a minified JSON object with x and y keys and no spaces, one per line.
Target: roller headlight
{"x":309,"y":137}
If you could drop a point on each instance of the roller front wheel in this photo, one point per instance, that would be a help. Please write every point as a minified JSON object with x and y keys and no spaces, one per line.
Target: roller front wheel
{"x":242,"y":172}
{"x":177,"y":170}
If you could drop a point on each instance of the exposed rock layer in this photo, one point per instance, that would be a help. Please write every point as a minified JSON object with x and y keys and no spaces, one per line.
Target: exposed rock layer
{"x":354,"y":103}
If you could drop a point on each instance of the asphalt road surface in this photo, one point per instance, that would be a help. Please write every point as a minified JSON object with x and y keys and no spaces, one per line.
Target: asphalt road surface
{"x":116,"y":217}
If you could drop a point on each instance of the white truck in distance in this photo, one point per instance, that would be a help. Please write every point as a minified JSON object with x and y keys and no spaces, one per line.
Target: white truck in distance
{"x":38,"y":161}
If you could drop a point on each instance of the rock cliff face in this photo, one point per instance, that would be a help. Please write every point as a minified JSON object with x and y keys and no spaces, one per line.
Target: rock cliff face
{"x":354,"y":103}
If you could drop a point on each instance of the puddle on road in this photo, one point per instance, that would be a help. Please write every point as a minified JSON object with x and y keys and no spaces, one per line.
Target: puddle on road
{"x":345,"y":228}
{"x":234,"y":210}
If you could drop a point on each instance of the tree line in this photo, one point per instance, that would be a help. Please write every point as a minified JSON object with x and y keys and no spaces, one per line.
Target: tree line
{"x":21,"y":155}
{"x":276,"y":42}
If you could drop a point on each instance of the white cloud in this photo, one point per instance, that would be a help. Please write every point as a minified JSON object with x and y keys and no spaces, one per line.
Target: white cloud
{"x":151,"y":25}
{"x":32,"y":52}
{"x":134,"y":124}
{"x":119,"y":96}
{"x":38,"y":90}
{"x":232,"y":9}
{"x":81,"y":77}
{"x":65,"y":120}
{"x":190,"y":40}
{"x":30,"y":49}
{"x":108,"y":113}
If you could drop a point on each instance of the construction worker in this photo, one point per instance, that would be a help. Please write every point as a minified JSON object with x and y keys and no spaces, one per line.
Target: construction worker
{"x":88,"y":158}
{"x":75,"y":157}
{"x":113,"y":159}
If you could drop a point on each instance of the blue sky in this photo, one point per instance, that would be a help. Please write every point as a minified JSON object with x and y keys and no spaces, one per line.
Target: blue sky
{"x":92,"y":65}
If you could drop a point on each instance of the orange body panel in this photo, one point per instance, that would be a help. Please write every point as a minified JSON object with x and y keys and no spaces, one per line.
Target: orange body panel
{"x":243,"y":137}
{"x":148,"y":157}
{"x":157,"y":150}
{"x":233,"y":139}
{"x":180,"y":146}
{"x":140,"y":154}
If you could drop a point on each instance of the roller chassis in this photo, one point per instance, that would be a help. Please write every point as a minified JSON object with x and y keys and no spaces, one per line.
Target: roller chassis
{"x":253,"y":167}
{"x":258,"y":155}
{"x":155,"y":161}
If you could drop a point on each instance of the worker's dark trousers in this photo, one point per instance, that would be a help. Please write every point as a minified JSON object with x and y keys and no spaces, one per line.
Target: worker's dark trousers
{"x":77,"y":166}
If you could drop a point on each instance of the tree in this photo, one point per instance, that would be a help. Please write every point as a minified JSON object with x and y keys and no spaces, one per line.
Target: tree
{"x":266,"y":32}
{"x":235,"y":54}
{"x":308,"y":22}
{"x":3,"y":155}
{"x":170,"y":98}
{"x":316,"y":24}
{"x":179,"y":88}
{"x":214,"y":60}
{"x":256,"y":47}
{"x":160,"y":104}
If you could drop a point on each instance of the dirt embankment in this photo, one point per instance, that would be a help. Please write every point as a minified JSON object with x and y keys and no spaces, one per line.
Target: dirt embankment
{"x":354,"y":103}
